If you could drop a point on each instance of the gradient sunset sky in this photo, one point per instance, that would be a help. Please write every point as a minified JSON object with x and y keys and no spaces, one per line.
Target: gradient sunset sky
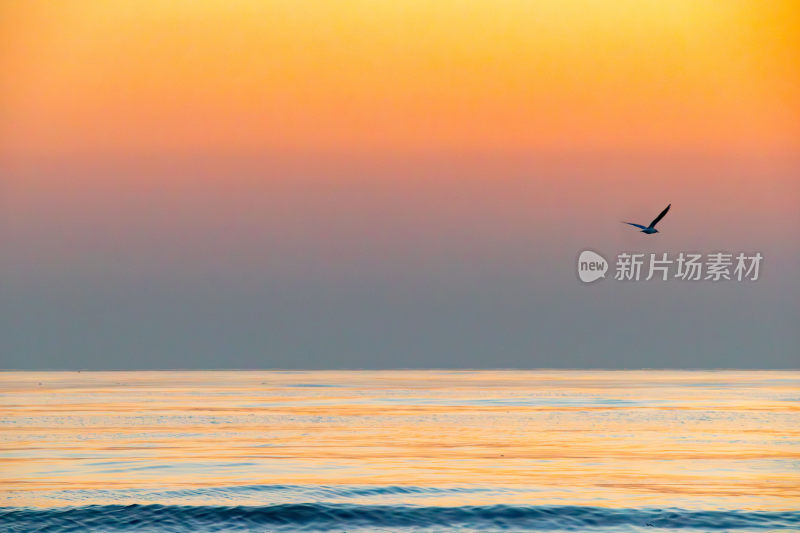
{"x":348,"y":184}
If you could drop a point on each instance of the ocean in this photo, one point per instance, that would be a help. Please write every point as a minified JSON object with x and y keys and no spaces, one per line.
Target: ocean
{"x":401,"y":450}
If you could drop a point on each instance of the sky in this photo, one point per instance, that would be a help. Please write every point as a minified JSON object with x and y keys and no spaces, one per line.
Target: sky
{"x":367,"y":184}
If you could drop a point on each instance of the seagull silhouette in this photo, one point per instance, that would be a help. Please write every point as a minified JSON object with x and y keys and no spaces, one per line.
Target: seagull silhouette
{"x":652,"y":227}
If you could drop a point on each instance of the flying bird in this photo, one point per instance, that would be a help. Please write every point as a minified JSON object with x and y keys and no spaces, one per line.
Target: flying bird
{"x":652,"y":227}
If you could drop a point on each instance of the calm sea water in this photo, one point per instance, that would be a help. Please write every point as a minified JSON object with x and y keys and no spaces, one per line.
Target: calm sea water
{"x":400,"y":451}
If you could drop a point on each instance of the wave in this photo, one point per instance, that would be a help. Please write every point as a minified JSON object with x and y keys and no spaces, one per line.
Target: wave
{"x":343,"y":517}
{"x":246,"y":495}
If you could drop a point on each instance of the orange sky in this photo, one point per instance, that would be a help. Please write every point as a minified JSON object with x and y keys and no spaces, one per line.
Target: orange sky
{"x":244,"y":76}
{"x":280,"y":181}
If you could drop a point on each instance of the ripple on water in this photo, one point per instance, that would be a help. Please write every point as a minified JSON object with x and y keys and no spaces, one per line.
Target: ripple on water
{"x":343,"y":517}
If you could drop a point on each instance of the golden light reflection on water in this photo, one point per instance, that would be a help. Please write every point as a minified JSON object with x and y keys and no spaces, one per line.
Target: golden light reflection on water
{"x":625,"y":439}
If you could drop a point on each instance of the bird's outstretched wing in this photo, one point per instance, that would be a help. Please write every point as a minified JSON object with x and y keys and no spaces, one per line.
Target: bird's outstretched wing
{"x":659,"y":217}
{"x":637,"y":225}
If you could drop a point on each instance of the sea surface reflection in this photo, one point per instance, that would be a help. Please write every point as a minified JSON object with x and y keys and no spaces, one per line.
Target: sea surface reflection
{"x":399,"y":450}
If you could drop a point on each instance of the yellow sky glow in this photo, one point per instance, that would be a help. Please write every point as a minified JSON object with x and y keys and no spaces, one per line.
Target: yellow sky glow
{"x":150,"y":75}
